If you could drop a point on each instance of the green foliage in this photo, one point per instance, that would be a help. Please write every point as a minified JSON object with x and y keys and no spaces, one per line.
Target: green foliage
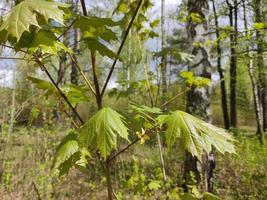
{"x":178,"y":55}
{"x":259,"y":26}
{"x":193,"y":80}
{"x":43,"y":85}
{"x":25,"y":14}
{"x":34,"y":114}
{"x":74,"y":93}
{"x":70,"y":154}
{"x":195,"y":17}
{"x":97,"y":28}
{"x":95,"y":45}
{"x":100,"y":131}
{"x":196,"y":135}
{"x":96,"y":32}
{"x":47,"y":43}
{"x":154,"y":185}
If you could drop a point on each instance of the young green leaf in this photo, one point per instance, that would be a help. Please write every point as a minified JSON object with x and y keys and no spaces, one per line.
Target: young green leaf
{"x":97,"y":28}
{"x":25,"y":14}
{"x":95,"y":45}
{"x":100,"y":132}
{"x":69,"y":154}
{"x":47,"y":42}
{"x":196,"y":135}
{"x":43,"y":85}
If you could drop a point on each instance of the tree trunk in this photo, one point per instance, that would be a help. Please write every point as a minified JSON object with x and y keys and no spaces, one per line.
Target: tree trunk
{"x":255,"y":89}
{"x":233,"y":62}
{"x":199,"y":99}
{"x":260,"y":62}
{"x":220,"y":71}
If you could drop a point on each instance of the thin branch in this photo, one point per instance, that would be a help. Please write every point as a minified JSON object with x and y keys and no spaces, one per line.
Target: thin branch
{"x":96,"y":83}
{"x":121,"y":46}
{"x":71,"y":118}
{"x":84,"y":8}
{"x":67,"y":29}
{"x":60,"y":91}
{"x":129,"y":146}
{"x":175,"y":97}
{"x":14,"y":58}
{"x":36,"y":191}
{"x":10,"y":47}
{"x":89,"y":84}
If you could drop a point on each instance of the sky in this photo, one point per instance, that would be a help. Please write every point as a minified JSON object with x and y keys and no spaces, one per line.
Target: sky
{"x":6,"y":65}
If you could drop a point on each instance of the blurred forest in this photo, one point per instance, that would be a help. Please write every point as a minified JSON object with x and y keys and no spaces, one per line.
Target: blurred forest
{"x":133,"y":99}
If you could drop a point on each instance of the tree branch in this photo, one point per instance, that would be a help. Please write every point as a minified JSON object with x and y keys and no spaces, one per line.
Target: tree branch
{"x":59,"y":90}
{"x":121,"y":46}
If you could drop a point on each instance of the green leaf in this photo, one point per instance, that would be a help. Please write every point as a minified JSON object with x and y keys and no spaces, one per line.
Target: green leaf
{"x":34,"y":114}
{"x":155,"y":23}
{"x":187,"y":196}
{"x":100,"y":132}
{"x":259,"y":26}
{"x":47,"y":42}
{"x":95,"y":45}
{"x":69,"y":154}
{"x":193,"y":80}
{"x":210,"y":196}
{"x":180,"y":56}
{"x":3,"y":36}
{"x":97,"y":28}
{"x":25,"y":14}
{"x":76,"y":93}
{"x":43,"y":85}
{"x":65,"y":153}
{"x":196,"y":134}
{"x":154,"y":185}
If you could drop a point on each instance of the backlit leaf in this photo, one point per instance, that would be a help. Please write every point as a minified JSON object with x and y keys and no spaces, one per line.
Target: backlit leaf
{"x":25,"y":14}
{"x":100,"y":131}
{"x":196,"y":135}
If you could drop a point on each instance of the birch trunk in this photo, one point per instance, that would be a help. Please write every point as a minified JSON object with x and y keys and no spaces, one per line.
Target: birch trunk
{"x":199,"y":99}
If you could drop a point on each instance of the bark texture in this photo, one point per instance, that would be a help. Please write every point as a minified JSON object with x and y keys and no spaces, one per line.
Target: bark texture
{"x":220,"y":70}
{"x":199,"y":99}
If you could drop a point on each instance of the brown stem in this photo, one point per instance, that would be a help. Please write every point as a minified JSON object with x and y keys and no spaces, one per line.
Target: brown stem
{"x":60,"y":92}
{"x":128,"y":146}
{"x":36,"y":191}
{"x":96,"y":83}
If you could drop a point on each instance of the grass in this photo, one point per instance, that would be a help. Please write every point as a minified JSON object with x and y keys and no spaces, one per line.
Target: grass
{"x":137,"y":174}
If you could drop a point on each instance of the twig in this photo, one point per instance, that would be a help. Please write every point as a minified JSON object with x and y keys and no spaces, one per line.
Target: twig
{"x":14,"y":58}
{"x":67,"y":29}
{"x":83,"y":75}
{"x":128,"y":146}
{"x":10,"y":47}
{"x":71,"y":118}
{"x":37,"y":191}
{"x":121,"y":46}
{"x":175,"y":97}
{"x":59,"y":90}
